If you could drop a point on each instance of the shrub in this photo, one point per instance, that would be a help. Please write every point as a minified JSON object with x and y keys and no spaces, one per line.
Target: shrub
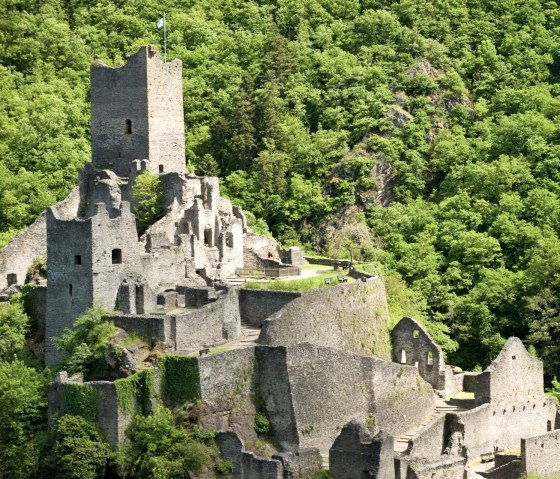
{"x":262,"y":424}
{"x":156,"y":448}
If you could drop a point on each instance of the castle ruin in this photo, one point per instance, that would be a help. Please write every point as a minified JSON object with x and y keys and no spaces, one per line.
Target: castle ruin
{"x":340,"y":390}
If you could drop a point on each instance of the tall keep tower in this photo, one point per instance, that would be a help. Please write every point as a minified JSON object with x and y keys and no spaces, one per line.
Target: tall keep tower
{"x":137,"y":113}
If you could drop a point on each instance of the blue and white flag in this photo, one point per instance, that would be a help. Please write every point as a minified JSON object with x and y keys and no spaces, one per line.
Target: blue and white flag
{"x":161,"y":22}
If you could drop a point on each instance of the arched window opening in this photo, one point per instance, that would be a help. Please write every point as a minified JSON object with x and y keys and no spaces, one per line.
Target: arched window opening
{"x":128,"y":127}
{"x":430,"y":358}
{"x":403,"y":356}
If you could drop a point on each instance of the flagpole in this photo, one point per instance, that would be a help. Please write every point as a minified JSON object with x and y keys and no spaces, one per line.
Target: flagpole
{"x":164,"y":39}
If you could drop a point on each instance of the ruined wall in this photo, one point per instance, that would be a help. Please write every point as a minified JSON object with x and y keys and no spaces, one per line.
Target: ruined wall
{"x":311,"y":392}
{"x":137,"y":113}
{"x":255,"y":305}
{"x":350,"y":317}
{"x":112,"y":420}
{"x":70,"y":285}
{"x":272,"y":388}
{"x":413,"y":345}
{"x":355,"y":454}
{"x":402,"y":399}
{"x":445,"y":468}
{"x":540,"y":455}
{"x":430,"y":441}
{"x":166,"y":141}
{"x":18,"y":255}
{"x":245,"y":464}
{"x":156,"y":326}
{"x":212,"y":324}
{"x":475,"y":426}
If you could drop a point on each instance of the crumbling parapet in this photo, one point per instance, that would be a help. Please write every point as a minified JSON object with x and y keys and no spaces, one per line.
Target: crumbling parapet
{"x":357,"y":454}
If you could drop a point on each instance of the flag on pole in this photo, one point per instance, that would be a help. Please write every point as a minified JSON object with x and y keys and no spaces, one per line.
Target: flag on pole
{"x":162,"y":24}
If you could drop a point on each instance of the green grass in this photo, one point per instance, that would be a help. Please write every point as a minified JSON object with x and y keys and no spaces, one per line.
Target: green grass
{"x":316,"y":267}
{"x":216,"y":350}
{"x":462,"y":395}
{"x":303,"y":284}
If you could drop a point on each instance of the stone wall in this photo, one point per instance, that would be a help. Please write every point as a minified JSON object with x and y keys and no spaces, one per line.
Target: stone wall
{"x":18,"y":255}
{"x":137,"y":113}
{"x":351,"y":317}
{"x":310,"y":392}
{"x":452,"y":467}
{"x":355,"y":454}
{"x":540,"y":455}
{"x":413,"y":345}
{"x":155,"y":326}
{"x":112,"y":420}
{"x":430,"y":441}
{"x":247,"y":465}
{"x":212,"y":324}
{"x":255,"y":305}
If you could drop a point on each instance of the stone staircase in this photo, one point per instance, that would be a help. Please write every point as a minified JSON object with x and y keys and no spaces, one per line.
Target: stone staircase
{"x":441,"y":408}
{"x":325,"y":460}
{"x":248,"y":337}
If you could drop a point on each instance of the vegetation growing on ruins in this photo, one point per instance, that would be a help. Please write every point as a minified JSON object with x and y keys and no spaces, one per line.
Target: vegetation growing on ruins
{"x":86,"y":345}
{"x":136,"y":391}
{"x":432,"y":123}
{"x":179,"y":379}
{"x":148,"y":193}
{"x":80,"y":400}
{"x":156,"y":447}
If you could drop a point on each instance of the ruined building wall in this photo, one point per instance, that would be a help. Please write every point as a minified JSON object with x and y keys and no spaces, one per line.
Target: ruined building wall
{"x":118,"y":96}
{"x":255,"y":305}
{"x":540,"y":455}
{"x":128,"y":124}
{"x":311,"y":392}
{"x":413,"y":345}
{"x":351,"y":317}
{"x":70,"y":283}
{"x":166,"y":141}
{"x":17,"y":256}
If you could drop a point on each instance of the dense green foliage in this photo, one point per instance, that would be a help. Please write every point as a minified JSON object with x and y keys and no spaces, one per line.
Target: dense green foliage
{"x":136,"y":391}
{"x":13,"y":327}
{"x":86,"y":344}
{"x":180,"y":379}
{"x":80,"y":400}
{"x":157,"y":449}
{"x":299,"y":106}
{"x":148,"y":193}
{"x":23,"y":404}
{"x":77,"y":450}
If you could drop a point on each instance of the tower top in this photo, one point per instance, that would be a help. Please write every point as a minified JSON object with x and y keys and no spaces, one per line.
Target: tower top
{"x":137,"y":113}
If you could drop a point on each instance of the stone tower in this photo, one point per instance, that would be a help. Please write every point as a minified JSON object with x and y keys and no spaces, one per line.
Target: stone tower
{"x":137,"y":114}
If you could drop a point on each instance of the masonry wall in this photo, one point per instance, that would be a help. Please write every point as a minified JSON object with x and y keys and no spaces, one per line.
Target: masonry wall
{"x":310,"y":392}
{"x":272,"y":388}
{"x":166,"y":141}
{"x":212,"y":324}
{"x":255,"y":305}
{"x":18,"y":255}
{"x":429,"y":442}
{"x":118,"y":95}
{"x":356,"y":453}
{"x":156,"y":326}
{"x":70,"y":285}
{"x":540,"y":455}
{"x":402,"y":399}
{"x":112,"y":420}
{"x":350,"y":317}
{"x":413,"y":345}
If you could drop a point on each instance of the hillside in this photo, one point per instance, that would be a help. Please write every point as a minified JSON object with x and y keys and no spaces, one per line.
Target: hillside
{"x":433,"y":122}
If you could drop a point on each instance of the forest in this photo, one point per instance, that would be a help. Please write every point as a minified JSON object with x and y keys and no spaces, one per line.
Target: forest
{"x":422,"y":133}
